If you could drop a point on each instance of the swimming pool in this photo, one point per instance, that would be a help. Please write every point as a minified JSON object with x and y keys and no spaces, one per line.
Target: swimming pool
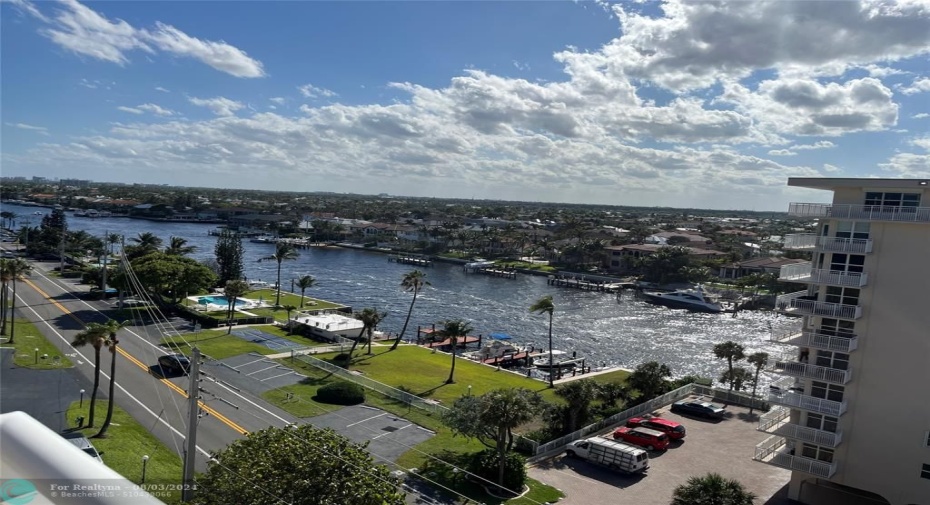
{"x":221,"y":300}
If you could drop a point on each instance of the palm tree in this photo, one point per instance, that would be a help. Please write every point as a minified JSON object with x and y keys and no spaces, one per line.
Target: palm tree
{"x":453,"y":330}
{"x":289,"y":309}
{"x":283,"y":251}
{"x":145,"y":243}
{"x":304,"y":283}
{"x":16,"y":269}
{"x":730,"y":351}
{"x":8,"y":216}
{"x":113,"y":239}
{"x":713,"y":489}
{"x":232,"y":291}
{"x":94,"y":334}
{"x":111,"y":327}
{"x":4,"y":282}
{"x":545,"y":306}
{"x":412,"y":281}
{"x":370,"y":319}
{"x":178,"y":247}
{"x":759,"y":359}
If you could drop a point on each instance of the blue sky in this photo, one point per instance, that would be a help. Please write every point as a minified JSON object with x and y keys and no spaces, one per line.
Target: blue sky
{"x":654,"y":103}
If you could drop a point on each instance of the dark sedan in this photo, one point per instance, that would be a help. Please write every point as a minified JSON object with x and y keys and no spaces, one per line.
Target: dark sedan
{"x":174,"y":363}
{"x":700,"y":409}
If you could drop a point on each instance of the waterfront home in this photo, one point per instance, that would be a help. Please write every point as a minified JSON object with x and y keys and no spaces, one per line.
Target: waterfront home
{"x":328,"y":326}
{"x":755,"y":266}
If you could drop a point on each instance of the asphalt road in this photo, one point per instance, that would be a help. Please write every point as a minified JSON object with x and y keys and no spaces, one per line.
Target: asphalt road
{"x":159,"y":403}
{"x":43,"y":394}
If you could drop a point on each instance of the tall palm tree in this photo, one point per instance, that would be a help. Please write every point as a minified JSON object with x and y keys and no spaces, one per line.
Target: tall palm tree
{"x":232,"y":291}
{"x":453,"y":330}
{"x":111,"y":327}
{"x":4,"y":282}
{"x":95,"y":335}
{"x":304,"y":283}
{"x":370,"y":319}
{"x":113,"y":239}
{"x":712,"y":488}
{"x":545,"y":306}
{"x":758,"y":359}
{"x":730,"y":351}
{"x":8,"y":216}
{"x":283,"y":251}
{"x":16,"y":268}
{"x":147,"y":240}
{"x":178,"y":247}
{"x":414,"y":281}
{"x":289,"y":309}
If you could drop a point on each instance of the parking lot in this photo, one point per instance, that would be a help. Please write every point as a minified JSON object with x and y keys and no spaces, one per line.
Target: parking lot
{"x":388,"y":436}
{"x":725,"y":447}
{"x":253,"y":372}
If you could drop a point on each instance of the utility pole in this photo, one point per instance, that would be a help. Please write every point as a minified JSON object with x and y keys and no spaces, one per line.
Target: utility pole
{"x":61,"y":253}
{"x":105,"y":254}
{"x":190,"y":452}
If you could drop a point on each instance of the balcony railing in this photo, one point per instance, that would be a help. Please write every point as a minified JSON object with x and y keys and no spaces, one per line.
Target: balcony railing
{"x":793,"y":368}
{"x":861,"y":212}
{"x":800,"y":303}
{"x":777,"y":421}
{"x":783,"y":392}
{"x":802,"y":272}
{"x":810,"y":338}
{"x":810,"y":241}
{"x":775,"y":451}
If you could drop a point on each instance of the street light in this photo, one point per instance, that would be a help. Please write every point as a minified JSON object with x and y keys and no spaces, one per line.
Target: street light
{"x":82,"y":399}
{"x":145,"y":461}
{"x":37,"y":355}
{"x":469,"y":390}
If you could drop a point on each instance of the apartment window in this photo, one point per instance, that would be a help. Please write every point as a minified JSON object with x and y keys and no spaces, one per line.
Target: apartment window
{"x":852,"y":229}
{"x":925,"y":471}
{"x":816,"y":452}
{"x":826,"y":391}
{"x":837,"y":327}
{"x":845,"y":296}
{"x":822,"y":422}
{"x":892,"y":199}
{"x":854,"y":263}
{"x":830,"y":359}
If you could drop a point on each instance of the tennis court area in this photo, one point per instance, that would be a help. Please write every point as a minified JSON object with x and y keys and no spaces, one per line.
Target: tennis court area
{"x":268,"y":340}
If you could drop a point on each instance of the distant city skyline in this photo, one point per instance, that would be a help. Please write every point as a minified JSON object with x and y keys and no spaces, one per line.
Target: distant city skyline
{"x":674,"y":104}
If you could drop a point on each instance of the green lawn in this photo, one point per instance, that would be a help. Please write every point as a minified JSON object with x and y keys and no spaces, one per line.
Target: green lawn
{"x":615,"y":376}
{"x":26,"y":339}
{"x":127,"y":441}
{"x":268,"y":296}
{"x":218,"y":345}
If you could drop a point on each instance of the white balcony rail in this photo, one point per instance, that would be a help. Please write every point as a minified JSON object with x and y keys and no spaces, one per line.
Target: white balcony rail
{"x":808,"y":241}
{"x":829,"y":342}
{"x":806,"y":402}
{"x":774,"y":451}
{"x":773,"y":418}
{"x":794,"y":368}
{"x":786,"y":335}
{"x":861,"y":212}
{"x":800,"y":303}
{"x":802,"y":272}
{"x":777,"y":421}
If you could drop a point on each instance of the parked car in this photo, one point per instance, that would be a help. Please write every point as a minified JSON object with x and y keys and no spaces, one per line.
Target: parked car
{"x":176,"y":363}
{"x":643,"y":437}
{"x":130,"y":302}
{"x":697,"y":408}
{"x":97,"y":293}
{"x":675,"y":431}
{"x":78,"y":439}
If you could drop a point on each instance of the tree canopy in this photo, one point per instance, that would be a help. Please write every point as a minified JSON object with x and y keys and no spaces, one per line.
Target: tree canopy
{"x":712,"y":489}
{"x":169,"y":276}
{"x":299,"y":465}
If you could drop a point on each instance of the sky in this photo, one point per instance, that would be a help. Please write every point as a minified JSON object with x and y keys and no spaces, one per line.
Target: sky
{"x":673,"y":103}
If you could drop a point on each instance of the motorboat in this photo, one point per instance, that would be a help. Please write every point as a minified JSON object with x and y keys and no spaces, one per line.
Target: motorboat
{"x":560,"y":359}
{"x":691,"y":299}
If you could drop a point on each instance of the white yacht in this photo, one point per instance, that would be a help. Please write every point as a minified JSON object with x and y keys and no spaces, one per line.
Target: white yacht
{"x":691,"y":299}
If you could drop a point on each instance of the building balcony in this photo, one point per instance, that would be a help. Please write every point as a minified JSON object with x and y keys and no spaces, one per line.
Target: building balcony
{"x":861,"y":212}
{"x":812,"y":242}
{"x":791,"y":367}
{"x":775,"y":451}
{"x":800,"y":303}
{"x":812,"y":339}
{"x":778,"y":422}
{"x":802,"y":272}
{"x":784,"y":392}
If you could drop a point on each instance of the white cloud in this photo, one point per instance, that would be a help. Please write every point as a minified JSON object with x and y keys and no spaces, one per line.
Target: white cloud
{"x":782,"y":152}
{"x":86,"y":32}
{"x":163,"y":90}
{"x":523,"y":67}
{"x":922,"y":115}
{"x":220,"y":106}
{"x":823,"y":144}
{"x":920,"y":85}
{"x":311,"y":91}
{"x":131,"y":110}
{"x":26,"y":7}
{"x":922,"y":142}
{"x":155,"y":109}
{"x":908,"y":165}
{"x":278,"y":100}
{"x":883,"y":71}
{"x":831,"y":169}
{"x":23,"y":126}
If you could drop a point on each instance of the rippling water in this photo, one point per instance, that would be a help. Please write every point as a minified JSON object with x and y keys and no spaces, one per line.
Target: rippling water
{"x":624,"y":332}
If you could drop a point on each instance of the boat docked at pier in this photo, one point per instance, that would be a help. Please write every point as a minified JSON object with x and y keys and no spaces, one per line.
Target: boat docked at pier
{"x":560,"y":360}
{"x":690,"y":299}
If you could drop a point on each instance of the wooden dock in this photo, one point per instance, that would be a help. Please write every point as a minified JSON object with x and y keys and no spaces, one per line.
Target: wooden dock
{"x":419,"y":261}
{"x":506,"y":273}
{"x":576,"y":283}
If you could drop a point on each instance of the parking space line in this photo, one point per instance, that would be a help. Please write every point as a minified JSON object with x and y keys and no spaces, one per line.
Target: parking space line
{"x":389,"y":432}
{"x":368,"y":419}
{"x":275,"y":376}
{"x":263,"y":369}
{"x":244,"y":364}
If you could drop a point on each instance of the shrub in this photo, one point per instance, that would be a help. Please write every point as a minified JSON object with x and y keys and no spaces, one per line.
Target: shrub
{"x":485,"y":465}
{"x":341,"y":393}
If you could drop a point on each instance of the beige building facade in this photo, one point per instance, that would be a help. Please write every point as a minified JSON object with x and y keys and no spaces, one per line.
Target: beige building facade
{"x":851,"y":409}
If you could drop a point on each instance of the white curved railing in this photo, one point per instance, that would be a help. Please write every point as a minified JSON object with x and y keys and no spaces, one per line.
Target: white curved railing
{"x":799,"y":303}
{"x":774,"y":451}
{"x":794,"y":368}
{"x":861,"y":212}
{"x":805,"y":402}
{"x":806,"y":241}
{"x":802,"y":272}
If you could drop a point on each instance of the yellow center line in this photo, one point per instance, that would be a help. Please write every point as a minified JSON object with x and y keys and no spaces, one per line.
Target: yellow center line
{"x":223,"y":419}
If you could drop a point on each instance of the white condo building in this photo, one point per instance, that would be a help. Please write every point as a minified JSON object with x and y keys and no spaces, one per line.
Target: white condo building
{"x":851,"y":412}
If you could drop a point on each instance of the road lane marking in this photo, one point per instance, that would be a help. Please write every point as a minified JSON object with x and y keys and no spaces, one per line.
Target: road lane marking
{"x":263,"y":369}
{"x":368,"y":419}
{"x":392,"y":432}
